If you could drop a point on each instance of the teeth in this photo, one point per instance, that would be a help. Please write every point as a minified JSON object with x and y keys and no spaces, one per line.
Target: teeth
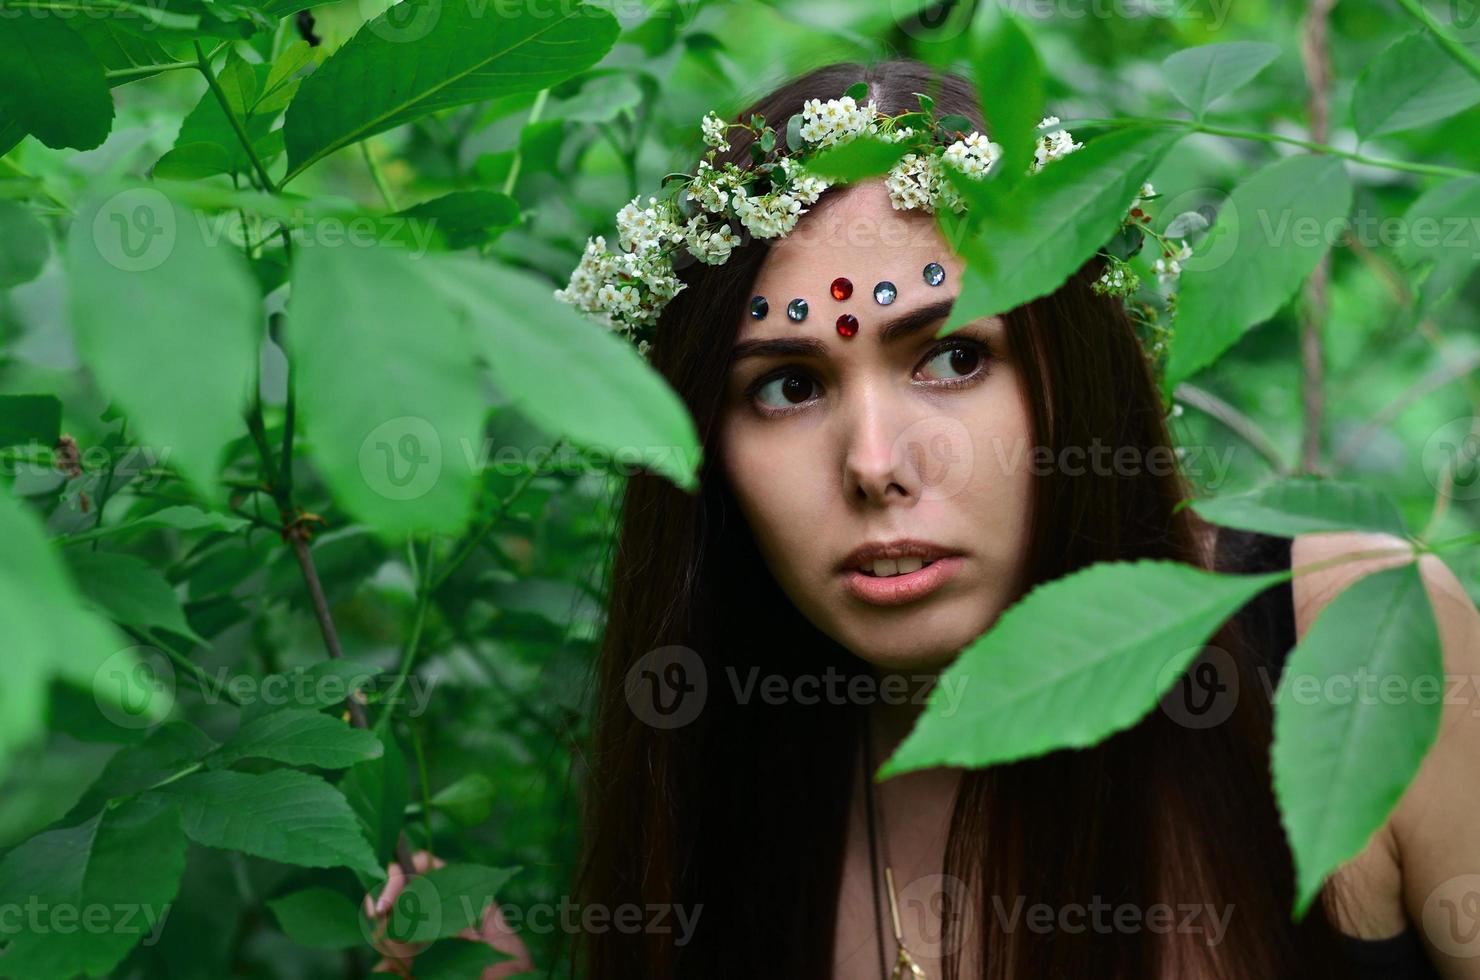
{"x":885,"y":567}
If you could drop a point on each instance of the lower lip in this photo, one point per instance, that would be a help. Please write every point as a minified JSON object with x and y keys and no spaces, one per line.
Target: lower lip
{"x":896,"y":590}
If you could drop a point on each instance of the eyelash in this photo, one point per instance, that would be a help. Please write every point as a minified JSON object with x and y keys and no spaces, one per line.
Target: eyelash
{"x":949,"y":344}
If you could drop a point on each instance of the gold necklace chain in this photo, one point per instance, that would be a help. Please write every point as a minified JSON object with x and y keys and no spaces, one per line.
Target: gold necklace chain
{"x":905,"y":967}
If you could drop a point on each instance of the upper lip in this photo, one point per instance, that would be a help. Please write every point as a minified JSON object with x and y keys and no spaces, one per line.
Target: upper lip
{"x":865,"y":554}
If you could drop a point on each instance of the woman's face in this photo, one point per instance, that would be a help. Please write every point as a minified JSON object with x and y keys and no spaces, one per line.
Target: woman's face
{"x":831,"y":443}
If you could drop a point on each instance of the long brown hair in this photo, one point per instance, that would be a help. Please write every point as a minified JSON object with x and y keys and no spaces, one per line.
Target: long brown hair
{"x":739,"y":815}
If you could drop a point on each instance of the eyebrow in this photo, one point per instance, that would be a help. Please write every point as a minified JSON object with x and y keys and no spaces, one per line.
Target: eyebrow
{"x":901,"y":326}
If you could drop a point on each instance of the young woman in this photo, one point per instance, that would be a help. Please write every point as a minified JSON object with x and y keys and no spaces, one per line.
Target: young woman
{"x":751,"y":676}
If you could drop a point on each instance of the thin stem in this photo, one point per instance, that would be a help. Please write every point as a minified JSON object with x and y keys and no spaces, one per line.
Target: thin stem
{"x":1457,"y":51}
{"x":1451,"y":543}
{"x":376,"y":175}
{"x":204,"y":64}
{"x":534,"y":116}
{"x":205,"y":680}
{"x":413,"y":642}
{"x":1236,"y":422}
{"x":321,"y":613}
{"x":138,"y":71}
{"x":471,"y":543}
{"x":1432,"y":170}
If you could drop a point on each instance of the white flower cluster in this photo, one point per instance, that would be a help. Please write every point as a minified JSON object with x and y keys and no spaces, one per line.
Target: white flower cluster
{"x":1168,"y":268}
{"x":640,"y":229}
{"x":627,"y":289}
{"x":709,"y":243}
{"x":837,"y":120}
{"x":1053,"y":145}
{"x":621,"y":289}
{"x":714,"y":131}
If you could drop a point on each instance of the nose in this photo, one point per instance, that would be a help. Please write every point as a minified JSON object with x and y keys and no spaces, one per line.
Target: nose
{"x":879,"y":469}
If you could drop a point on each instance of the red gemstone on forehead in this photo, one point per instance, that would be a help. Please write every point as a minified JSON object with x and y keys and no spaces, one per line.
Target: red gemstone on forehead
{"x":841,"y":289}
{"x":847,"y":324}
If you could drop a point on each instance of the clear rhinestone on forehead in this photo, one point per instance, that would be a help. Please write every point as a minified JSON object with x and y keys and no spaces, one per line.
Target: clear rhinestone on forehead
{"x":885,"y":293}
{"x":935,"y":274}
{"x":759,"y":307}
{"x":797,"y":310}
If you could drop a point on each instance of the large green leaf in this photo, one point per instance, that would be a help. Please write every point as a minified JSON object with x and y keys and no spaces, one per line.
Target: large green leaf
{"x":85,"y":895}
{"x":1303,"y":505}
{"x":51,"y":83}
{"x":1267,"y":240}
{"x":321,"y":918}
{"x":856,"y":159}
{"x":1413,"y":83}
{"x":420,"y":56}
{"x":30,"y":419}
{"x":1443,"y":234}
{"x":129,"y":590}
{"x":1357,"y":708}
{"x":283,"y":815}
{"x":167,"y":319}
{"x":49,"y":632}
{"x":445,"y":901}
{"x":1073,"y":205}
{"x":606,"y":396}
{"x":378,"y":791}
{"x":167,"y":751}
{"x":1075,"y":661}
{"x":1200,"y":76}
{"x":388,"y":390}
{"x":299,"y":738}
{"x":24,"y":245}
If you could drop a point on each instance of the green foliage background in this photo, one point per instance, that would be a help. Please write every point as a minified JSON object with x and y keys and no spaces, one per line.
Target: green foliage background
{"x":241,"y":407}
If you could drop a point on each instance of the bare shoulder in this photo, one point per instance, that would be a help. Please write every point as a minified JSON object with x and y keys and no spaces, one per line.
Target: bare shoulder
{"x":1432,"y":840}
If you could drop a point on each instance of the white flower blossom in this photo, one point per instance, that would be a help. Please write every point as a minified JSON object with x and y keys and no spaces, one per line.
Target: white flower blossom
{"x":707,"y":243}
{"x":916,"y":181}
{"x":805,"y":187}
{"x":837,"y":120}
{"x":1168,"y":268}
{"x":974,"y":155}
{"x":714,"y":131}
{"x":769,"y":215}
{"x":1053,"y":145}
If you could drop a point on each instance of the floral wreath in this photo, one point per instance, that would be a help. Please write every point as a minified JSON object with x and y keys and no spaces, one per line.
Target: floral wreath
{"x":699,"y":218}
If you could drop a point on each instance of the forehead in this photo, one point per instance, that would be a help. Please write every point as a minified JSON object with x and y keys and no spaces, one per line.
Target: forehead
{"x":859,"y":236}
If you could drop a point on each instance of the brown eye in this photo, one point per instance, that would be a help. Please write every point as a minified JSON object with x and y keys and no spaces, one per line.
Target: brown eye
{"x":956,"y":361}
{"x":785,"y":389}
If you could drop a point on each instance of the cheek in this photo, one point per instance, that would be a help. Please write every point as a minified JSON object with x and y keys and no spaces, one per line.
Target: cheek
{"x":779,"y":484}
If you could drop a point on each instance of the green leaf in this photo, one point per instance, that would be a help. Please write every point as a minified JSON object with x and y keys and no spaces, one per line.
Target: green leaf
{"x":167,"y":750}
{"x":856,"y":159}
{"x":1303,"y":505}
{"x":321,"y":918}
{"x":129,"y":590}
{"x":24,"y":245}
{"x":193,"y":161}
{"x":1413,"y":83}
{"x":455,"y":959}
{"x":462,"y":218}
{"x":283,"y":815}
{"x":1078,"y":659}
{"x":390,"y":411}
{"x":1073,"y":205}
{"x":608,"y":398}
{"x":1443,"y":238}
{"x":857,"y":91}
{"x":459,"y":53}
{"x":30,"y":419}
{"x":142,"y":274}
{"x":1200,"y":76}
{"x":1267,"y":240}
{"x":102,"y":886}
{"x":51,"y":83}
{"x":1343,"y":751}
{"x":325,"y":684}
{"x":378,"y":792}
{"x":299,"y":737}
{"x":445,"y":901}
{"x":1007,"y":61}
{"x":794,"y":132}
{"x":49,"y":632}
{"x":469,"y":801}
